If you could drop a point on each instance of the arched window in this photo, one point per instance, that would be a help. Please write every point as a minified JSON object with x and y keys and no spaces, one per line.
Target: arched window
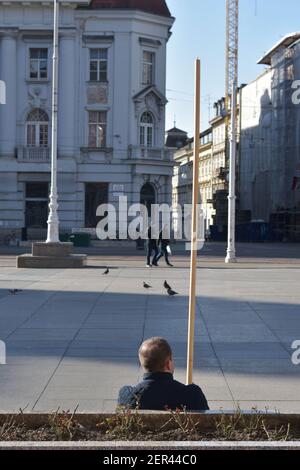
{"x":37,"y":128}
{"x":147,"y":130}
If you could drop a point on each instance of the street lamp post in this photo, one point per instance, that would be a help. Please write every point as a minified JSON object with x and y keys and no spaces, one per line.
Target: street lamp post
{"x":53,"y":222}
{"x":53,"y":253}
{"x":231,"y":254}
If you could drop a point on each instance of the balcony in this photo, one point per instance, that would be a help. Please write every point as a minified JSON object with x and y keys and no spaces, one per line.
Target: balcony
{"x":220,"y":173}
{"x":149,"y":153}
{"x":33,"y":154}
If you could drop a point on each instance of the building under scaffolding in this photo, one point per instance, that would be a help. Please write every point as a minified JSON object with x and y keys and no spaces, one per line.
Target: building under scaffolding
{"x":269,"y":173}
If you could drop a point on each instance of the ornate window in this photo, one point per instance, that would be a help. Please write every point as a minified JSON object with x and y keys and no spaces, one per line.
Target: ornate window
{"x":98,"y":65}
{"x":37,"y":127}
{"x":148,"y":67}
{"x":147,"y":130}
{"x":97,"y":129}
{"x":38,"y":63}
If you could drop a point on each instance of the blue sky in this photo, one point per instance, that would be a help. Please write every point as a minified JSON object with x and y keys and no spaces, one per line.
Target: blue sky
{"x":199,"y":30}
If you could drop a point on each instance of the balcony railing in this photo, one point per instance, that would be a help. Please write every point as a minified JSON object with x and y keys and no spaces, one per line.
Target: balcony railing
{"x":34,"y":154}
{"x":149,"y":153}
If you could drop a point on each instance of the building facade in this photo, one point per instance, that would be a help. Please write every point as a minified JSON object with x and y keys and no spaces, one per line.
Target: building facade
{"x":183,"y":175}
{"x":111,"y":112}
{"x":270,"y":141}
{"x":213,"y":169}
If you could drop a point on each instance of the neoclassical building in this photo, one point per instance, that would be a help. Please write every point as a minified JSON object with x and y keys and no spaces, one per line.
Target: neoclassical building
{"x":111,"y":120}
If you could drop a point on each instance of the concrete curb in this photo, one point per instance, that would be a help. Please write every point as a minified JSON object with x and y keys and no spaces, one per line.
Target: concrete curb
{"x":155,"y":446}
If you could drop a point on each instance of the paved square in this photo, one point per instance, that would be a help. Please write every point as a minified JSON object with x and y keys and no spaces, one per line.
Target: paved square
{"x":72,"y":335}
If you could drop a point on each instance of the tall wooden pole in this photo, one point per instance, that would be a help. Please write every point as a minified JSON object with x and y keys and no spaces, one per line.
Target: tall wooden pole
{"x":194,"y":231}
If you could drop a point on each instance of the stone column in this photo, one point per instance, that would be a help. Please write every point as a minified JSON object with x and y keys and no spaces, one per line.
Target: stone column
{"x":67,"y":95}
{"x":8,"y":112}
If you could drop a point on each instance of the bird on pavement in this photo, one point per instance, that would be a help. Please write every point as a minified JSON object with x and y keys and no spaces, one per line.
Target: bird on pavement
{"x":171,"y":292}
{"x":147,"y":286}
{"x":166,"y":285}
{"x":107,"y":271}
{"x":15,"y":291}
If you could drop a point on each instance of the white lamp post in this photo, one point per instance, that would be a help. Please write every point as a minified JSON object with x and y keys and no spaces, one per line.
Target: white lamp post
{"x":52,"y":253}
{"x":231,"y":254}
{"x":53,"y":222}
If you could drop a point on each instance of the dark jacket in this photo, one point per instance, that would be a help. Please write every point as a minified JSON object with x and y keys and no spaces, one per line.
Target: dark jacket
{"x":151,"y":242}
{"x":159,"y":391}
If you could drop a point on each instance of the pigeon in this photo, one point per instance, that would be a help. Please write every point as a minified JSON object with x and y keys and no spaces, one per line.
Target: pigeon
{"x":172,"y":292}
{"x":15,"y":291}
{"x":166,"y":285}
{"x":147,"y":286}
{"x":107,"y":271}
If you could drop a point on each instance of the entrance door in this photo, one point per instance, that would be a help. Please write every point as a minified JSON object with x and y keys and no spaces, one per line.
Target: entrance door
{"x":147,"y":197}
{"x":95,"y":195}
{"x":36,"y":205}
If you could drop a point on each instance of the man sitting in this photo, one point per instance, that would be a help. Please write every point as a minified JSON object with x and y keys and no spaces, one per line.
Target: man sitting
{"x":159,"y":390}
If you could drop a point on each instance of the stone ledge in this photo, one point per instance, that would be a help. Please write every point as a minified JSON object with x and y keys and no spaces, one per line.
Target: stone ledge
{"x":52,"y":249}
{"x":153,"y":419}
{"x":147,"y":445}
{"x":70,"y":261}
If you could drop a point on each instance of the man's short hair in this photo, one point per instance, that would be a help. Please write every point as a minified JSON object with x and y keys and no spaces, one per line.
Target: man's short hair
{"x":154,"y":354}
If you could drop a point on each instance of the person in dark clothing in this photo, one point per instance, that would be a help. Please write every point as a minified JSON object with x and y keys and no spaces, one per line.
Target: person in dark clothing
{"x":151,"y":247}
{"x":163,"y":243}
{"x":159,"y":391}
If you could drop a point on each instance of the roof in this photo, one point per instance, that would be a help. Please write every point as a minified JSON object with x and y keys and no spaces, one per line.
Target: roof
{"x":175,"y":130}
{"x":202,"y":134}
{"x":157,"y":7}
{"x":285,"y":42}
{"x":176,"y":138}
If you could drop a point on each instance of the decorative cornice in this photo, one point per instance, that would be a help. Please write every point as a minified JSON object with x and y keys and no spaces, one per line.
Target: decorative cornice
{"x":102,"y":38}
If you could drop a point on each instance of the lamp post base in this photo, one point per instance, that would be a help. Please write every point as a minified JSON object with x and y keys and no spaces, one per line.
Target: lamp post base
{"x":51,"y":255}
{"x":230,"y":258}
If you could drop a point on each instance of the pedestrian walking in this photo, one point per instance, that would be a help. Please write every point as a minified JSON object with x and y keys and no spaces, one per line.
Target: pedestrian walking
{"x":151,"y":248}
{"x":164,"y":244}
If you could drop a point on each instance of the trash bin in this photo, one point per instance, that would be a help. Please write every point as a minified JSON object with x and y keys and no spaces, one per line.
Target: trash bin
{"x":64,"y":237}
{"x":80,"y":239}
{"x":24,"y":234}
